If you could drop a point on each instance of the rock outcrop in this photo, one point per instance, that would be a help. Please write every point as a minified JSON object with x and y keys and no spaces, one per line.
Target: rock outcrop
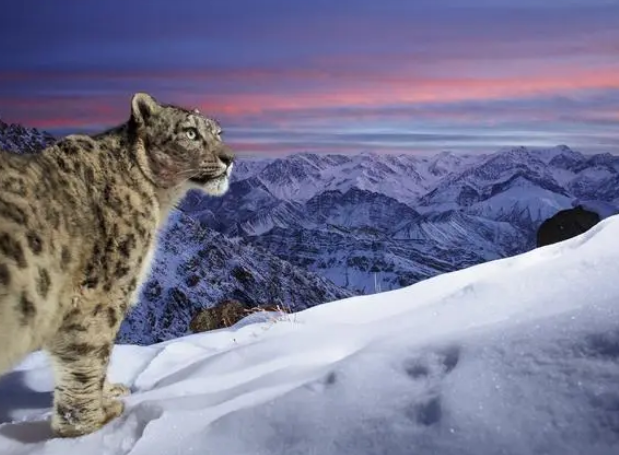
{"x":565,"y":225}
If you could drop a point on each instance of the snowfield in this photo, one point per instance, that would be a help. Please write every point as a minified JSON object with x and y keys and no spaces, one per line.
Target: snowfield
{"x":515,"y":356}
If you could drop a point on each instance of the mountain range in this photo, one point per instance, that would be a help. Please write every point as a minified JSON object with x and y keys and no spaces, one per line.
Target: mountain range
{"x":375,"y":222}
{"x":20,"y":139}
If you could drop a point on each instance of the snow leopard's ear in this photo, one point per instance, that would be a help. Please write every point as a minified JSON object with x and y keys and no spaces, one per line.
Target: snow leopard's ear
{"x":143,"y":106}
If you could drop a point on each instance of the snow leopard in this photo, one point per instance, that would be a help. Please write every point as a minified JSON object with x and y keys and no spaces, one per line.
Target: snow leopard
{"x":78,"y":230}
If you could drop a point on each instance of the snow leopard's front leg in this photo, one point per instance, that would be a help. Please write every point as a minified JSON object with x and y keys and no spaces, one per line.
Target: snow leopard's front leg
{"x":83,"y":399}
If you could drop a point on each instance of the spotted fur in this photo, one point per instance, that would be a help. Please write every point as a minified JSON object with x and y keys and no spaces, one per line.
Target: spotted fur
{"x":78,"y":226}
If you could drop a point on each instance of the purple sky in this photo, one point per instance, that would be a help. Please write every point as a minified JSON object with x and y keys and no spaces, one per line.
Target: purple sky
{"x":284,"y":76}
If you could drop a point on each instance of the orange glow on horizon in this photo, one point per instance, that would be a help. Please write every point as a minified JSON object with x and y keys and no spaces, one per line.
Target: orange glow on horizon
{"x":273,"y":105}
{"x":412,"y":92}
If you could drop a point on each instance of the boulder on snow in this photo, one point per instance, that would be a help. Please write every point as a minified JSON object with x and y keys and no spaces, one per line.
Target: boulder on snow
{"x":225,"y":314}
{"x":566,"y":224}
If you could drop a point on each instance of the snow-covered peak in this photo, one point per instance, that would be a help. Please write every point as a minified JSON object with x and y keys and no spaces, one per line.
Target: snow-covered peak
{"x":545,"y":154}
{"x":245,"y":168}
{"x":447,"y":162}
{"x":358,"y":208}
{"x":19,"y":139}
{"x":405,"y":177}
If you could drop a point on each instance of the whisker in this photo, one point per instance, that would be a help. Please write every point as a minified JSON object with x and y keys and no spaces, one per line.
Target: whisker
{"x":195,"y":172}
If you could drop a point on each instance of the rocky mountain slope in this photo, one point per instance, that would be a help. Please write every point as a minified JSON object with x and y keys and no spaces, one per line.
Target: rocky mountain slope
{"x":196,"y":267}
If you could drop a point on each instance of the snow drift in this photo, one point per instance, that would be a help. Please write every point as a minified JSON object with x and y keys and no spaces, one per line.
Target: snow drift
{"x":515,"y":356}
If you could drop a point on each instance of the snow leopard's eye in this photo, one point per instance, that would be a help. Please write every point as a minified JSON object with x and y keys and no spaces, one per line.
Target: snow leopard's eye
{"x":191,"y":133}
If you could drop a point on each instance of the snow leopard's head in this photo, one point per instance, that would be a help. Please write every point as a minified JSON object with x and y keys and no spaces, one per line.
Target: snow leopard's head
{"x":182,"y":147}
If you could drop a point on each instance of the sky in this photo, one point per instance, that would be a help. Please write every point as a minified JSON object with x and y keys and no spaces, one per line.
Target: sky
{"x":324,"y":76}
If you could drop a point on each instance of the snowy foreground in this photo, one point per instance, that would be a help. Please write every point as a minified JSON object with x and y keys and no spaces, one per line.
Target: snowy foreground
{"x":518,"y":356}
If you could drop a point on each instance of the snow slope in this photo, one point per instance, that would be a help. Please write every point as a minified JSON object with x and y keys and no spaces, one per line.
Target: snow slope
{"x":515,"y":356}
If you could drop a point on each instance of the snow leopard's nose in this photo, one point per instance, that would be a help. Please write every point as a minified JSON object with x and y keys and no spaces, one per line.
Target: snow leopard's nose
{"x":225,"y":155}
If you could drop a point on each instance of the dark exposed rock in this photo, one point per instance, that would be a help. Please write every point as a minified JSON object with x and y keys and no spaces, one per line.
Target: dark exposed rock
{"x":565,"y":225}
{"x":224,"y":314}
{"x":227,"y":313}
